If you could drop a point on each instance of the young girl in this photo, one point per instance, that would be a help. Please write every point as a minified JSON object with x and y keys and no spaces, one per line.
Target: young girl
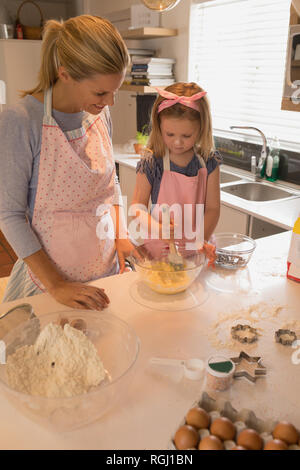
{"x":183,"y":168}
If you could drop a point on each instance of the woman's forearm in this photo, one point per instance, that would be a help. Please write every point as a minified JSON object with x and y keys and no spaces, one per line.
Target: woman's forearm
{"x":43,"y":268}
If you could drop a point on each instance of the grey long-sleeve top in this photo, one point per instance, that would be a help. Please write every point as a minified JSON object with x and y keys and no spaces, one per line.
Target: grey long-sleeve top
{"x":20,"y":147}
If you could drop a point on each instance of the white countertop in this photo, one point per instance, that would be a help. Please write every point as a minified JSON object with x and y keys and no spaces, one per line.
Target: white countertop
{"x":282,"y":213}
{"x":147,"y":416}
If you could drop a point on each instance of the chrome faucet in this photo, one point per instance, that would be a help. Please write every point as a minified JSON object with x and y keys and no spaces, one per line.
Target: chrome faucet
{"x":256,"y":168}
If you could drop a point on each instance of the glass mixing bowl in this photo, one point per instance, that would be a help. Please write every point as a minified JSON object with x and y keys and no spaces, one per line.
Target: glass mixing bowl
{"x":233,"y":250}
{"x":118,"y":347}
{"x":166,"y":274}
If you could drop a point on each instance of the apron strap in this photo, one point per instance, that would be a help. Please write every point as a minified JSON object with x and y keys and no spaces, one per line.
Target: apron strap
{"x":166,"y":161}
{"x":48,"y":102}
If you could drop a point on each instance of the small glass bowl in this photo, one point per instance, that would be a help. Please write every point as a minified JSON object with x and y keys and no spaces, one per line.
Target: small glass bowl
{"x":233,"y":250}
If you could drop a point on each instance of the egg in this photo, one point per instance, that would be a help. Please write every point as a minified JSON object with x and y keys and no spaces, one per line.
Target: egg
{"x":238,"y":448}
{"x":250,"y":439}
{"x":286,"y":432}
{"x":276,"y":444}
{"x":79,"y":324}
{"x":198,"y":418}
{"x":186,"y":437}
{"x":223,"y":428}
{"x":211,"y":443}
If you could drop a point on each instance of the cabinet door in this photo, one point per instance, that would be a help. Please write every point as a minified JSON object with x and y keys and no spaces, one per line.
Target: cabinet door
{"x":260,"y":228}
{"x":127,"y":183}
{"x":232,"y":220}
{"x":123,"y":115}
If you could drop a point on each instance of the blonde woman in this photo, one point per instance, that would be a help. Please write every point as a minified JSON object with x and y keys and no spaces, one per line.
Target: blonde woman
{"x":183,"y":169}
{"x":58,"y":185}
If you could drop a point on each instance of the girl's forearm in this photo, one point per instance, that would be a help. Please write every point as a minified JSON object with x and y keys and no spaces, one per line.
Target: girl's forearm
{"x":211,"y":217}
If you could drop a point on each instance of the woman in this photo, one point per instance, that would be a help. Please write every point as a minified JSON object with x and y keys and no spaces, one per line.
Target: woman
{"x":58,"y":188}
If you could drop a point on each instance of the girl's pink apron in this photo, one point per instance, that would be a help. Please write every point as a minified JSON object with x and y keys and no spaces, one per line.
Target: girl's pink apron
{"x":75,"y":192}
{"x":184,"y":193}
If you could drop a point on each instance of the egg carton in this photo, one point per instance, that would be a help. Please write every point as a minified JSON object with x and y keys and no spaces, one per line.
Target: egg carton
{"x":241,"y":419}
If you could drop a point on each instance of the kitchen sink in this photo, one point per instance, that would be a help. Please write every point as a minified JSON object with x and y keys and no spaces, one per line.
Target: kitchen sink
{"x":257,"y":192}
{"x":228,"y":178}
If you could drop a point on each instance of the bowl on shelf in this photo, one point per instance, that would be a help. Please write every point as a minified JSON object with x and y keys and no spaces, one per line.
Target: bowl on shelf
{"x":165,"y":275}
{"x":233,"y":250}
{"x":118,"y":347}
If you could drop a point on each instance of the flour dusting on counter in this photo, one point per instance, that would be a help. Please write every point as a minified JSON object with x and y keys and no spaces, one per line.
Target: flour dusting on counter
{"x":63,"y":362}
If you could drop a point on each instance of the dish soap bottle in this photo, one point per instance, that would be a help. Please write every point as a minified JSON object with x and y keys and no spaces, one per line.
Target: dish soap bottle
{"x":273,"y":159}
{"x":293,"y":262}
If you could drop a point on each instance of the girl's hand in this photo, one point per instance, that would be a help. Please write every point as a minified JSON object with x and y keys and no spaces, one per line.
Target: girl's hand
{"x":79,"y":295}
{"x":210,"y":252}
{"x":125,"y":248}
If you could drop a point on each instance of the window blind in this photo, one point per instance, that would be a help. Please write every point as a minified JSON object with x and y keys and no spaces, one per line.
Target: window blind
{"x":237,"y":54}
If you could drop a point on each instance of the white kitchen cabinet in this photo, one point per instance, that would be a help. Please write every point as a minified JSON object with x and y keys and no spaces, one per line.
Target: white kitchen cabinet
{"x":232,"y":220}
{"x":127,"y":177}
{"x":123,"y":115}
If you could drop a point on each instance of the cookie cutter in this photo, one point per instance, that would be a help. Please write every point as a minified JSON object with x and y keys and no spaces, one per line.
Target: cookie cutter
{"x":259,"y":371}
{"x":235,"y":333}
{"x":192,"y":368}
{"x":285,"y":341}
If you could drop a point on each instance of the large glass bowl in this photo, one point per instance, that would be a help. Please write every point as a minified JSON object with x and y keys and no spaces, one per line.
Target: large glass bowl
{"x":118,"y":347}
{"x":233,"y":250}
{"x":163,"y":275}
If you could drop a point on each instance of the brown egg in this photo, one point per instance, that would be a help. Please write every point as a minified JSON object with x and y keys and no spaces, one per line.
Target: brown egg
{"x":79,"y":324}
{"x":186,"y":437}
{"x":238,"y":448}
{"x":210,"y":443}
{"x":250,"y":439}
{"x":223,"y":428}
{"x":276,"y":444}
{"x":198,"y":418}
{"x":286,"y":432}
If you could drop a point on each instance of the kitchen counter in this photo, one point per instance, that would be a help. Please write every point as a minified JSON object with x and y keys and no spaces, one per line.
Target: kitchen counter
{"x":282,"y":213}
{"x":147,"y":416}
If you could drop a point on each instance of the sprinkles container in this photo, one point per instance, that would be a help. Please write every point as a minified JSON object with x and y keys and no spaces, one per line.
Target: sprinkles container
{"x":219,"y":373}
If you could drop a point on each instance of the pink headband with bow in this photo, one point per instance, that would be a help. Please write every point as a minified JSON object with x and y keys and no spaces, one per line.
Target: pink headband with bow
{"x":172,"y":99}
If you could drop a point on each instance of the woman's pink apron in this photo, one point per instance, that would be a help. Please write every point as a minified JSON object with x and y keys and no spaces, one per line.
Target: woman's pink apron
{"x":185,"y":196}
{"x":76,"y":187}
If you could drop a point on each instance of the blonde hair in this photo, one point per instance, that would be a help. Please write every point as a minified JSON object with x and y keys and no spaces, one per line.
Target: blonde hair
{"x":85,"y":45}
{"x":204,"y":145}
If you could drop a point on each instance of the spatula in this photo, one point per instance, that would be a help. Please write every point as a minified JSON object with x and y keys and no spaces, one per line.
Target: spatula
{"x":174,"y":257}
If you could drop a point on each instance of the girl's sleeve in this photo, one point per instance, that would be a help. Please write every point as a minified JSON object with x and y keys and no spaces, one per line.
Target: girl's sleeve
{"x":147,"y":166}
{"x":214,"y":161}
{"x":16,"y":162}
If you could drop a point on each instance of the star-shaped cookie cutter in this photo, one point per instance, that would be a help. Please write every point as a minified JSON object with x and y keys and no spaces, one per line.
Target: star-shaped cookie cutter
{"x":259,"y":371}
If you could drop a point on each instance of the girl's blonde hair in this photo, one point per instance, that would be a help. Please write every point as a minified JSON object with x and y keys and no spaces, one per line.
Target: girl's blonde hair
{"x":204,"y":146}
{"x":85,"y":45}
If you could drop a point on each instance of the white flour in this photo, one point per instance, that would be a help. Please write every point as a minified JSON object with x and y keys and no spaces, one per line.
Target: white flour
{"x":61,"y":363}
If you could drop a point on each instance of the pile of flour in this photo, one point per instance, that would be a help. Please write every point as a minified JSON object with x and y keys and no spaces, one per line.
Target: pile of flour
{"x":62,"y":363}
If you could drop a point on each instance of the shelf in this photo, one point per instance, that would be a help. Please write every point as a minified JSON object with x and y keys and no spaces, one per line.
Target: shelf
{"x":295,"y":63}
{"x":139,"y":88}
{"x":148,"y":33}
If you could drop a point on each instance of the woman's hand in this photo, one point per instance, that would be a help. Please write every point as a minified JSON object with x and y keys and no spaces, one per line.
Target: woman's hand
{"x":125,"y":248}
{"x":210,"y":252}
{"x":79,"y":295}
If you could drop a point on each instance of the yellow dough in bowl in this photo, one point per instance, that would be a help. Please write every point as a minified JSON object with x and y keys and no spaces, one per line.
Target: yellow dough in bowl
{"x":164,"y":279}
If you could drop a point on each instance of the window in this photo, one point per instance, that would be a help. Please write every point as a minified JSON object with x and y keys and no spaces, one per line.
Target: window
{"x":238,"y":53}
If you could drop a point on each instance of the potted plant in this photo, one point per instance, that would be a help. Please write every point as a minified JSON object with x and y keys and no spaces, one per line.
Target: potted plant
{"x":141,"y":139}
